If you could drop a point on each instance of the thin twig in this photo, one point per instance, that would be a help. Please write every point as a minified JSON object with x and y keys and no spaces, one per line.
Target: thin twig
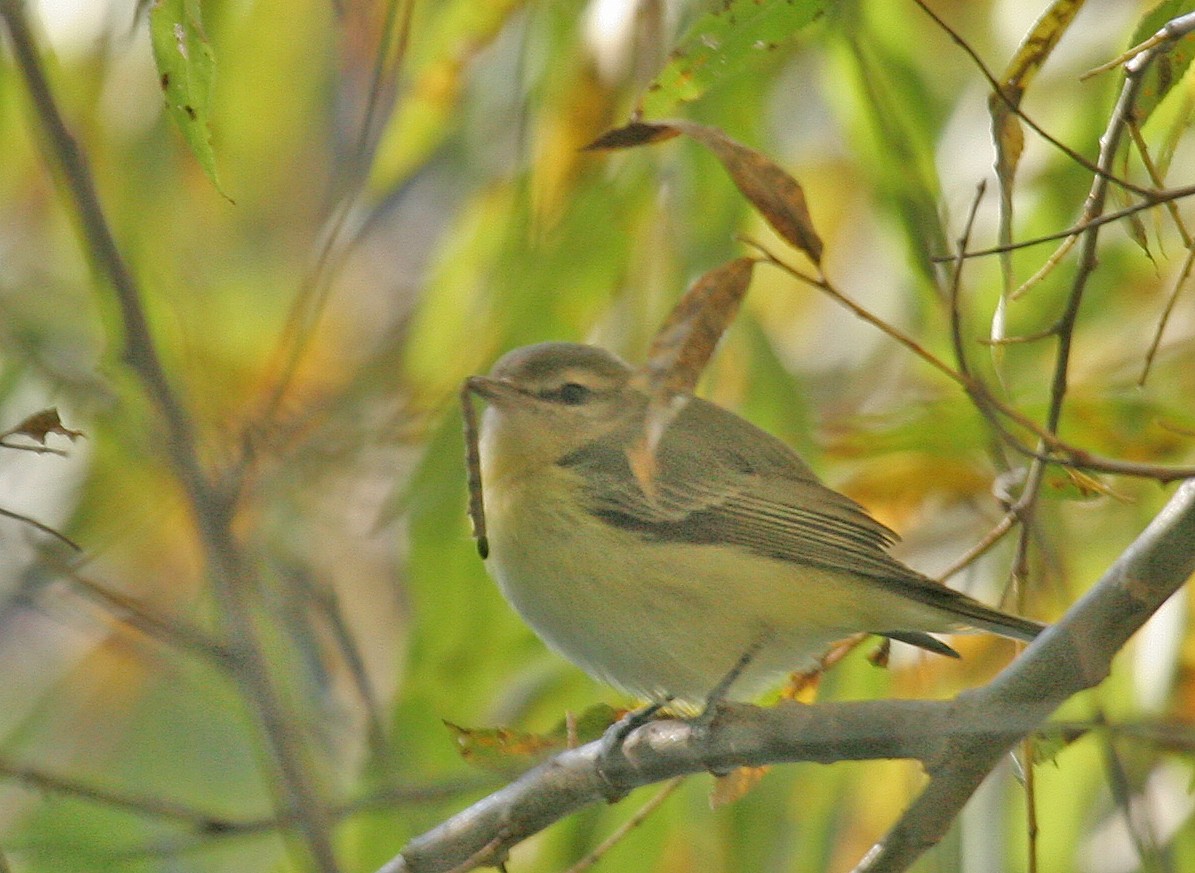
{"x":156,"y":807}
{"x":1155,"y":198}
{"x":316,"y":288}
{"x":1057,"y":452}
{"x":36,"y":448}
{"x":1018,"y":339}
{"x":998,"y":89}
{"x":956,"y":280}
{"x":997,"y":533}
{"x":1183,"y":275}
{"x":1047,"y":267}
{"x":1174,"y":29}
{"x":1188,"y":262}
{"x":44,"y":528}
{"x":641,"y":815}
{"x":211,"y":507}
{"x":177,"y":635}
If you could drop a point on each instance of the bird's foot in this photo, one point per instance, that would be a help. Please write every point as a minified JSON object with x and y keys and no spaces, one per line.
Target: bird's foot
{"x":610,"y":756}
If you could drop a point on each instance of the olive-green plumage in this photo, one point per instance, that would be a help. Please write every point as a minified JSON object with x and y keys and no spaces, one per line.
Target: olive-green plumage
{"x":733,"y":547}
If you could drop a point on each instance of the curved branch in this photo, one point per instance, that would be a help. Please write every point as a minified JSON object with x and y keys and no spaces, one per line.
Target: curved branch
{"x":959,"y":741}
{"x":211,"y":506}
{"x":1070,"y":656}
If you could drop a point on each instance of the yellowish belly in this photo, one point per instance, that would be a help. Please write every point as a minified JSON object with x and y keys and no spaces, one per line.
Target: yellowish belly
{"x":666,"y":619}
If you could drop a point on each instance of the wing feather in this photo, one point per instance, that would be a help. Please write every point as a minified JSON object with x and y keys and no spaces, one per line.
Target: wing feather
{"x":739,"y":485}
{"x":743,"y":487}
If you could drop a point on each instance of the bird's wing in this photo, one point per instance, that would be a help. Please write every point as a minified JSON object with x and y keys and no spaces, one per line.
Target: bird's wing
{"x":739,"y":485}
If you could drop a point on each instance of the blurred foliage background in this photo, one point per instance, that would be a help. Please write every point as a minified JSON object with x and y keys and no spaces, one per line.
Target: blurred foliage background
{"x":401,"y":197}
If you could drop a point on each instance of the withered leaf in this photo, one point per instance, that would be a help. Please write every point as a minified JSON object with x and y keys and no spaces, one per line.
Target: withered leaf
{"x":502,"y":749}
{"x":510,"y":751}
{"x":636,"y":133}
{"x":735,"y":785}
{"x":686,"y":340}
{"x":679,"y":352}
{"x":771,"y":190}
{"x":777,"y":195}
{"x":1035,"y":48}
{"x":40,"y":425}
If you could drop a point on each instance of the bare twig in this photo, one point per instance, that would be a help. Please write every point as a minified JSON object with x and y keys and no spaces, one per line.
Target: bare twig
{"x":1173,"y":30}
{"x":997,"y":533}
{"x":155,"y":807}
{"x":1056,"y":452}
{"x":1101,"y":171}
{"x":1154,"y":199}
{"x":210,"y":505}
{"x":44,"y":528}
{"x":620,"y":833}
{"x":36,"y":448}
{"x":169,"y":631}
{"x":1046,"y":268}
{"x":1184,"y":273}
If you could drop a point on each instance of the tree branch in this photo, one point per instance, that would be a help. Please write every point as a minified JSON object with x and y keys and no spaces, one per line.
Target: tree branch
{"x":1072,"y":655}
{"x":210,"y":503}
{"x":959,"y":741}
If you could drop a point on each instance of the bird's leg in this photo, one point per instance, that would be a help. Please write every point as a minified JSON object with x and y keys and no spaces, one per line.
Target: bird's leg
{"x":701,"y":724}
{"x":612,"y":740}
{"x":703,"y":721}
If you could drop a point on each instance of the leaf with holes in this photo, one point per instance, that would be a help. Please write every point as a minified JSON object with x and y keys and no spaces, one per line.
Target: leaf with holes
{"x":723,"y":43}
{"x":186,"y":68}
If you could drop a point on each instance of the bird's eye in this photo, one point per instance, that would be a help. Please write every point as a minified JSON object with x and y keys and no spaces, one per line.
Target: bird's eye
{"x":572,"y":394}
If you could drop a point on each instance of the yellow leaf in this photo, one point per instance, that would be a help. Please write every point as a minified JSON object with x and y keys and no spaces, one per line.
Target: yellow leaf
{"x":735,"y":785}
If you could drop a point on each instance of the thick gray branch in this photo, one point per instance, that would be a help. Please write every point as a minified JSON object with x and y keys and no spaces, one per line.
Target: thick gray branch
{"x":959,"y":740}
{"x":1072,"y":655}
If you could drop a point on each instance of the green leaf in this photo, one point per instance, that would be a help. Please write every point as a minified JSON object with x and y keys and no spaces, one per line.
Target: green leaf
{"x":1168,"y":68}
{"x":186,"y":68}
{"x":720,"y":43}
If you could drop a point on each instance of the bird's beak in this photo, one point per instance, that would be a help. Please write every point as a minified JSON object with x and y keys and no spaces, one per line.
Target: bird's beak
{"x":493,"y":390}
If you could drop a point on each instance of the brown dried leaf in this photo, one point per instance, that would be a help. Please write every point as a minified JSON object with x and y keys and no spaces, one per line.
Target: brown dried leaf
{"x":636,"y":133}
{"x":501,"y":749}
{"x":686,"y":340}
{"x":682,"y":347}
{"x":735,"y":785}
{"x":39,"y":425}
{"x":1009,"y":138}
{"x":777,"y":195}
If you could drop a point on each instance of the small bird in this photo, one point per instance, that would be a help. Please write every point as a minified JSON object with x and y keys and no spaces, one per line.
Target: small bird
{"x":730,"y":568}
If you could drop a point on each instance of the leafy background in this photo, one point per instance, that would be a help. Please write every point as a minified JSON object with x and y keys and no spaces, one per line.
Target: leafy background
{"x":394,"y":195}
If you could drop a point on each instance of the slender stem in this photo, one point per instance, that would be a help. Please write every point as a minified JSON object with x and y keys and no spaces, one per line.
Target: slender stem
{"x":211,"y":507}
{"x":44,"y":528}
